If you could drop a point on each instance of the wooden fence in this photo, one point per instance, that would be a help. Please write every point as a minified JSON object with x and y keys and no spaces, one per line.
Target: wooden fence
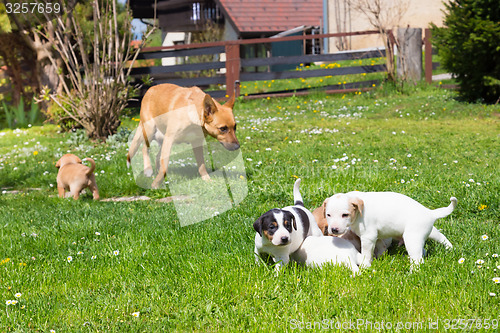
{"x":234,"y":65}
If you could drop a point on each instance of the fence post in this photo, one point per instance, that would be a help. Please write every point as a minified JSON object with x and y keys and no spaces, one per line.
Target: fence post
{"x":232,"y":68}
{"x":428,"y":55}
{"x":409,"y":65}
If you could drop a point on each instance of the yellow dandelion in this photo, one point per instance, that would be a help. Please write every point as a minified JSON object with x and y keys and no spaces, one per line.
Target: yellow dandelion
{"x":482,"y":207}
{"x":35,"y":153}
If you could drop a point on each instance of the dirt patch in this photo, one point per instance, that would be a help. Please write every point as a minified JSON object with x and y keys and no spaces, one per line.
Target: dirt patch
{"x":143,"y":198}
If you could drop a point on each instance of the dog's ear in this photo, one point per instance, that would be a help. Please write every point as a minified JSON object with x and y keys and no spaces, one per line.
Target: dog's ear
{"x":257,"y":225}
{"x":358,"y":204}
{"x":324,"y":207}
{"x":209,"y":108}
{"x":294,"y":222}
{"x":58,"y":164}
{"x":230,"y":102}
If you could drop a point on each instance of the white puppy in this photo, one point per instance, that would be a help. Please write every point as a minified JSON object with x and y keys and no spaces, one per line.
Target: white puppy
{"x":280,"y":232}
{"x":379,"y":215}
{"x":317,"y":251}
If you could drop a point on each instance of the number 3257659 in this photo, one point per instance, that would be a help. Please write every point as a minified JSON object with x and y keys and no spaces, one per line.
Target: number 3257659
{"x":33,"y":7}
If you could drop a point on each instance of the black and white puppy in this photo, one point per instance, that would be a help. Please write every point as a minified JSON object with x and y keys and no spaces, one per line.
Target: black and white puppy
{"x":280,"y":232}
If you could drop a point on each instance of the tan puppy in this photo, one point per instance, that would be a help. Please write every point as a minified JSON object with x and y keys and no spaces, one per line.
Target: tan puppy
{"x":172,"y":114}
{"x":74,"y":176}
{"x":380,"y":248}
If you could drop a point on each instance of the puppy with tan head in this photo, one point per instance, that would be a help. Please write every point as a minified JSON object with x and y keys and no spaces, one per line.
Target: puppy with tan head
{"x":378,"y":215}
{"x":381,"y":246}
{"x":74,"y":176}
{"x":171,"y":114}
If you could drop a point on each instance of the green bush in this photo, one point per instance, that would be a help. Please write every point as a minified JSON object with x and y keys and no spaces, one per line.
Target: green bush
{"x":56,"y":115}
{"x":468,"y":45}
{"x":17,"y":116}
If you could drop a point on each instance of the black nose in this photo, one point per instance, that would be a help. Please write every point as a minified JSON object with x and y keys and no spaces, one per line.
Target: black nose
{"x":284,"y":239}
{"x":231,"y":146}
{"x":335,"y":230}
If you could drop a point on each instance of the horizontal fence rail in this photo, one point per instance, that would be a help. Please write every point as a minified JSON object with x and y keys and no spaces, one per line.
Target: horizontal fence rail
{"x":312,"y":73}
{"x":279,"y":60}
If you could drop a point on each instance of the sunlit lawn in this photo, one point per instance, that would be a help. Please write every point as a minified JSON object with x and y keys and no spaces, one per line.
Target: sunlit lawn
{"x":129,"y":266}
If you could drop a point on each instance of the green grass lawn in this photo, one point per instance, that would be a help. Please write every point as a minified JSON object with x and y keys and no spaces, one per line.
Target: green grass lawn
{"x":130,"y":266}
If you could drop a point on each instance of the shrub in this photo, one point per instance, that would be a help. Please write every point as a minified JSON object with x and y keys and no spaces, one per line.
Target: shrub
{"x":468,"y":47}
{"x":56,"y":114}
{"x":18,"y":116}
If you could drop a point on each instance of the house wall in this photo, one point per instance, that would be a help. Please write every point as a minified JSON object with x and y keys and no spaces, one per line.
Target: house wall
{"x":170,"y":39}
{"x":420,"y":14}
{"x":229,"y":32}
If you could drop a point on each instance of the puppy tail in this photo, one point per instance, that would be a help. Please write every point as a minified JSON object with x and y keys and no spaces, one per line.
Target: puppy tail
{"x":92,"y":165}
{"x":445,"y":211}
{"x":297,"y":198}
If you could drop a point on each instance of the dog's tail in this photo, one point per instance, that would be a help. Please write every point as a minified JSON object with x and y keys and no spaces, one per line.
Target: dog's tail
{"x":445,"y":211}
{"x":297,"y":198}
{"x":92,"y":165}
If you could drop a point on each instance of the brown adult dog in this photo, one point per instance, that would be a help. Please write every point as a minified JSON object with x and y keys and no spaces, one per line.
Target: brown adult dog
{"x":74,"y":176}
{"x":172,"y":114}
